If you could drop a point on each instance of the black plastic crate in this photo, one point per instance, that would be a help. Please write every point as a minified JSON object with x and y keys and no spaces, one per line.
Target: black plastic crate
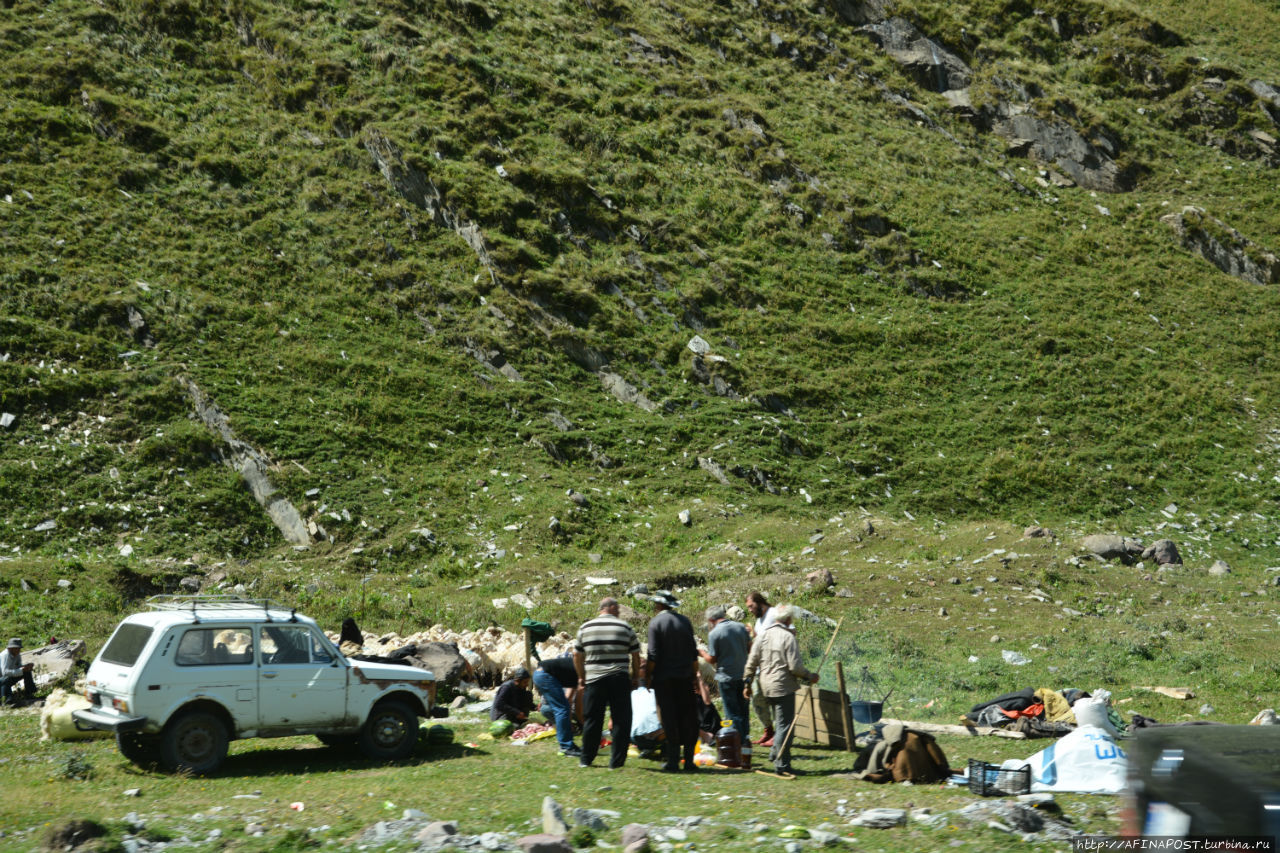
{"x":992,"y":780}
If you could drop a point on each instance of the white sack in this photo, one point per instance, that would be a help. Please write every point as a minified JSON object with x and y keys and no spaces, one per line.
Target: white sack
{"x":1093,"y":712}
{"x":1087,"y":761}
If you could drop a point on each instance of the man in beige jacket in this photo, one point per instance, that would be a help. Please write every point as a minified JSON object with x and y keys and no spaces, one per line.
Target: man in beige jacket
{"x":775,"y":659}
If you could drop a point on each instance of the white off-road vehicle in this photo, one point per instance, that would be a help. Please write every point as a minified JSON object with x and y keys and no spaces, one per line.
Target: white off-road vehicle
{"x":178,"y":682}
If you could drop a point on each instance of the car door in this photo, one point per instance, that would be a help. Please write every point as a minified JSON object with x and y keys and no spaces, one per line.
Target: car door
{"x":216,"y":661}
{"x":303,"y":685}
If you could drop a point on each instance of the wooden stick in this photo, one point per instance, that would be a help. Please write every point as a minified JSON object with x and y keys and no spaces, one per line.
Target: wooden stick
{"x":845,"y":722}
{"x":943,"y":729}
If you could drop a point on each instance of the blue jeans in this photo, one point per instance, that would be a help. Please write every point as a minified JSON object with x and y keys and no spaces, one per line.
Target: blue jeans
{"x":553,"y":697}
{"x":736,"y":707}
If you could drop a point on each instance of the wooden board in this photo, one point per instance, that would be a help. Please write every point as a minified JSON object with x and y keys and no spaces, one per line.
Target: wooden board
{"x":821,"y":716}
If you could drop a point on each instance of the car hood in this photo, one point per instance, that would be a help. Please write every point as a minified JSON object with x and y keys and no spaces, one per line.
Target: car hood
{"x":390,"y":672}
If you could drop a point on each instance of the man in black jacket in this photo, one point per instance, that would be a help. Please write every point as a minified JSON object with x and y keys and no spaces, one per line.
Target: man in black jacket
{"x":514,"y":699}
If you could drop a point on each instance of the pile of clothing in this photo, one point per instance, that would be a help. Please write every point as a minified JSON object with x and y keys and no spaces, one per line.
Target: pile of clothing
{"x":1045,"y":712}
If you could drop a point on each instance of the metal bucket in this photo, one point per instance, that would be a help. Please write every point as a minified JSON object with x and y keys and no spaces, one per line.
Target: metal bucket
{"x":866,"y":712}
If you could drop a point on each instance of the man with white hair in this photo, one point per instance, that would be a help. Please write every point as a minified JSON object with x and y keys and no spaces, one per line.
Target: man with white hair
{"x":13,"y":670}
{"x":775,"y":659}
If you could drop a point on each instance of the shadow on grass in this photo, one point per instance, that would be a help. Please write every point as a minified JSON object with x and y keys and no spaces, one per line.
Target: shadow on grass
{"x":291,"y":760}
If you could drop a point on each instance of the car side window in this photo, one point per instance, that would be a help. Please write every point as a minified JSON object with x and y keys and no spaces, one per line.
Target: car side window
{"x":215,"y":647}
{"x":285,"y":644}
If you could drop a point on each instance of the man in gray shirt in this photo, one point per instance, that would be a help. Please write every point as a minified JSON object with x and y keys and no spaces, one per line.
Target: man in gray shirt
{"x":727,"y":647}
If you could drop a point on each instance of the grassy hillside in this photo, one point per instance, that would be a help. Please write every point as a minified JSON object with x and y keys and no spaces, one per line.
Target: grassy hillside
{"x":442,"y":263}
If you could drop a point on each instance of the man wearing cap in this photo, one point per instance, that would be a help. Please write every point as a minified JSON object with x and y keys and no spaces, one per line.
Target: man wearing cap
{"x":673,"y":657}
{"x":775,"y":658}
{"x":727,"y":647}
{"x":514,"y":699}
{"x":604,"y":649}
{"x":13,"y":670}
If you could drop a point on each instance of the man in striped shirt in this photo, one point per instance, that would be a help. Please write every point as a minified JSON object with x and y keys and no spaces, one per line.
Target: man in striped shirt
{"x":607,"y":657}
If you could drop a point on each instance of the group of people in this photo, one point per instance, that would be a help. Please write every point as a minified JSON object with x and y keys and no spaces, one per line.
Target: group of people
{"x":756,"y":667}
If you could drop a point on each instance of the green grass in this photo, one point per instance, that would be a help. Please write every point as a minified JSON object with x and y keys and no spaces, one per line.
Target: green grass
{"x":899,"y":333}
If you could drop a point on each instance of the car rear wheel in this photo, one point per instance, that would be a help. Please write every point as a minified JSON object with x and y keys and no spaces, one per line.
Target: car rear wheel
{"x":390,"y":733}
{"x":195,"y":742}
{"x":142,"y":750}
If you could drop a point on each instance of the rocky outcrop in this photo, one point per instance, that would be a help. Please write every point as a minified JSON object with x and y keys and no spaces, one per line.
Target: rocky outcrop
{"x":1224,"y":247}
{"x":1090,"y":162}
{"x":1164,"y":552}
{"x":418,"y":190}
{"x":931,"y":65}
{"x":252,"y":464}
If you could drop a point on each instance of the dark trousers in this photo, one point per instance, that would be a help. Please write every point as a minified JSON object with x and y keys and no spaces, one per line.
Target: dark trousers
{"x":674,"y":697}
{"x":784,"y":713}
{"x":614,"y":693}
{"x":28,"y":686}
{"x":736,"y":707}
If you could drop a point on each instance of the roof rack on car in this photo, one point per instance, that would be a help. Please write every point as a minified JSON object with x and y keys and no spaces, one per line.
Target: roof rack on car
{"x":222,"y":603}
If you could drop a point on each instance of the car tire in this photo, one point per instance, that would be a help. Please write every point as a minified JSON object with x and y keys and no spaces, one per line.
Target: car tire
{"x":390,"y":733}
{"x":142,"y":750}
{"x":194,"y":742}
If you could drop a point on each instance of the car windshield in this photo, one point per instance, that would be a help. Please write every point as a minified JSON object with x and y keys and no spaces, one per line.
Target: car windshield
{"x":126,"y":644}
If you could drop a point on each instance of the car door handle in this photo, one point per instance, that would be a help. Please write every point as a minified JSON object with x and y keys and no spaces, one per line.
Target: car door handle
{"x":270,"y":674}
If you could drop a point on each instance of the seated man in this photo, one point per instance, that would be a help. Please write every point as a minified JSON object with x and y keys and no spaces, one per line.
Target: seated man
{"x":13,"y":670}
{"x":514,"y":699}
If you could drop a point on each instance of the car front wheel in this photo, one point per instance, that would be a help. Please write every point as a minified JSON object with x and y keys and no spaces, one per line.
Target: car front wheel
{"x":195,"y":742}
{"x":390,"y":733}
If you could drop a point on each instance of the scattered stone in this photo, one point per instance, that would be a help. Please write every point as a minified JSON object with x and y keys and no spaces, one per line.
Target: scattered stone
{"x":637,"y":590}
{"x":1014,"y":658}
{"x":190,"y":584}
{"x":254,"y":829}
{"x":1206,"y":709}
{"x":63,"y":583}
{"x":46,"y":525}
{"x":1112,"y":547}
{"x":685,"y":518}
{"x":820,"y":579}
{"x":1224,"y":247}
{"x":1265,"y":717}
{"x":1035,"y":531}
{"x":436,"y":833}
{"x":413,"y":814}
{"x":1164,"y":552}
{"x":1219,"y":568}
{"x":544,"y":843}
{"x":137,"y":792}
{"x":7,"y":419}
{"x":601,"y":581}
{"x":633,"y":833}
{"x":553,"y":822}
{"x":880,"y":818}
{"x":595,"y":558}
{"x":594,"y":819}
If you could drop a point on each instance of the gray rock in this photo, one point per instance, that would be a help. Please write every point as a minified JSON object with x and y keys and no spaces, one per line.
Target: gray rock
{"x":929,"y":63}
{"x":1219,"y":568}
{"x":714,"y":469}
{"x":820,"y":579}
{"x":793,"y":847}
{"x":436,"y":832}
{"x":594,"y":819}
{"x":1112,"y":547}
{"x":633,"y":832}
{"x":553,"y":822}
{"x":1089,"y":162}
{"x":1164,"y":552}
{"x":190,"y":584}
{"x":641,"y":846}
{"x":880,"y":818}
{"x":493,"y":841}
{"x":544,"y":843}
{"x":638,"y":589}
{"x":1035,"y":531}
{"x":1224,"y":247}
{"x":822,"y":838}
{"x":254,"y":828}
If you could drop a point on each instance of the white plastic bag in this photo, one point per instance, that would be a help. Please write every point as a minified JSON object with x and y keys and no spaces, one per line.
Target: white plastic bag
{"x":1088,"y":761}
{"x":1093,"y":712}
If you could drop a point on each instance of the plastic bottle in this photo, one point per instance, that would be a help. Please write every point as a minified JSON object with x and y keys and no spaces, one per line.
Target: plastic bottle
{"x":728,"y":745}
